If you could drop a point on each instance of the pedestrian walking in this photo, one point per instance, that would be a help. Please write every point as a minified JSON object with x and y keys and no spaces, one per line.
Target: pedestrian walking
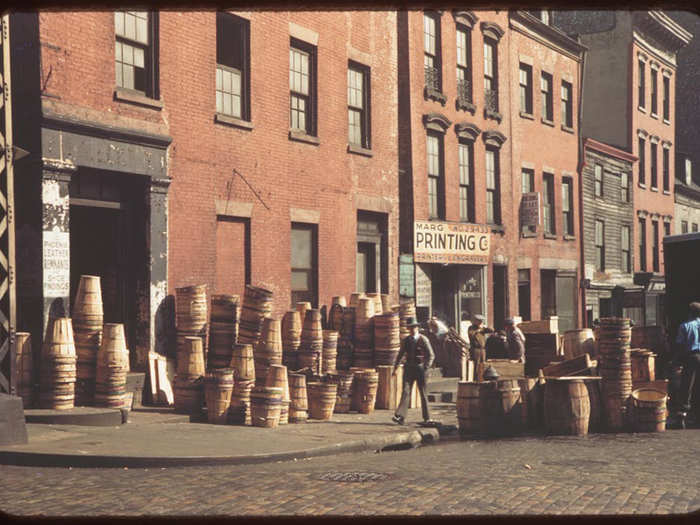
{"x":419,"y":356}
{"x":516,"y":341}
{"x":688,"y":354}
{"x":477,"y":340}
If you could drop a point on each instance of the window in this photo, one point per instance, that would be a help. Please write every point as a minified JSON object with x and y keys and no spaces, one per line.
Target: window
{"x":544,"y":16}
{"x":464,"y":76}
{"x":666,"y":169}
{"x":232,"y":59}
{"x":358,"y":106}
{"x":624,"y":187}
{"x":654,"y":91}
{"x":304,"y":265}
{"x":684,"y":226}
{"x":528,"y":186}
{"x":642,"y":164}
{"x":640,"y":84}
{"x":567,"y":205}
{"x":466,"y":196}
{"x":654,"y":177}
{"x":490,"y":75}
{"x":431,"y":45}
{"x":493,"y":197}
{"x":667,"y":229}
{"x":695,"y":226}
{"x":643,"y":245}
{"x":302,"y":87}
{"x":655,"y":245}
{"x":548,"y":204}
{"x":136,"y":51}
{"x":436,"y":200}
{"x":547,"y":102}
{"x":567,"y":116}
{"x":688,"y":170}
{"x":626,"y":262}
{"x":525,"y":88}
{"x":667,"y":96}
{"x":598,"y":188}
{"x":599,"y":245}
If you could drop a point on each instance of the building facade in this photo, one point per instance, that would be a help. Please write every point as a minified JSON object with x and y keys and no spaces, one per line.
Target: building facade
{"x":178,"y":148}
{"x":687,"y":200}
{"x":463,"y":150}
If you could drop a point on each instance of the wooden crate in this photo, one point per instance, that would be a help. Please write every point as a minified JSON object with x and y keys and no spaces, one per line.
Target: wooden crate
{"x":571,"y":367}
{"x":389,"y":387}
{"x":540,"y":350}
{"x":506,"y":368}
{"x":545,"y":326}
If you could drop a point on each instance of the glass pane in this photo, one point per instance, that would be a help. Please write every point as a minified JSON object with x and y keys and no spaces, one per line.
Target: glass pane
{"x":142,"y":30}
{"x":119,"y":77}
{"x":130,"y":26}
{"x":128,"y":77}
{"x":219,"y":102}
{"x":300,"y":280}
{"x":301,"y":248}
{"x":128,"y":54}
{"x":227,"y":104}
{"x":227,"y":81}
{"x":219,"y":79}
{"x":138,"y":57}
{"x":118,"y":51}
{"x":236,"y":110}
{"x":236,"y":83}
{"x":119,"y":23}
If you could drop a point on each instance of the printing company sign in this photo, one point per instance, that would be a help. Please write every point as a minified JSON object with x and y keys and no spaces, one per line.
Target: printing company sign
{"x":449,"y":242}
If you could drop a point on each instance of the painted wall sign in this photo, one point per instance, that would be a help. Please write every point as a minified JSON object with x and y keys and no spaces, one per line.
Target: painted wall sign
{"x":56,"y":263}
{"x":530,"y":209}
{"x":406,"y":276}
{"x":424,"y":288}
{"x":448,"y":242}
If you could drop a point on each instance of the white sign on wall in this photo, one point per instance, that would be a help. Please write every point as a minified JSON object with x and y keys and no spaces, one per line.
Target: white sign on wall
{"x":530,"y":209}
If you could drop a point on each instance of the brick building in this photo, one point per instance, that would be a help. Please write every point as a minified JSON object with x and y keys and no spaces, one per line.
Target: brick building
{"x":467,"y":154}
{"x":629,"y":103}
{"x":178,"y":148}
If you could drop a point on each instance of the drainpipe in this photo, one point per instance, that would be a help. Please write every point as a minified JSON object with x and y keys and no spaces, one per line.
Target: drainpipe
{"x":581,"y":162}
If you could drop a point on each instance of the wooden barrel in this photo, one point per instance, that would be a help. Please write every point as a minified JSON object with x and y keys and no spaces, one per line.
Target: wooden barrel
{"x":57,"y":372}
{"x":364,"y":312}
{"x":243,"y":362}
{"x":649,"y":410}
{"x":239,"y":410}
{"x":642,"y":365}
{"x":268,"y":351}
{"x":578,"y":342}
{"x":291,"y":339}
{"x":343,"y":396}
{"x":567,"y":407}
{"x":346,"y":351}
{"x":299,"y":404}
{"x":191,"y":307}
{"x":500,"y":407}
{"x":329,"y":354}
{"x":265,"y":406}
{"x":302,"y":308}
{"x":190,"y":360}
{"x":593,"y":386}
{"x":257,"y":304}
{"x":112,"y":367}
{"x":311,"y":347}
{"x":386,"y":338}
{"x":365,"y":392}
{"x":113,"y":351}
{"x":223,"y":329}
{"x":218,"y":387}
{"x":60,"y":342}
{"x":322,"y":398}
{"x":348,"y":329}
{"x":88,"y":311}
{"x":339,"y":300}
{"x":406,"y":310}
{"x":528,"y":398}
{"x":335,"y":318}
{"x":188,"y":390}
{"x":23,"y":366}
{"x":377,"y":300}
{"x":386,"y":303}
{"x":389,"y":387}
{"x":277,"y":377}
{"x":355,"y":298}
{"x":615,"y":369}
{"x":468,"y":407}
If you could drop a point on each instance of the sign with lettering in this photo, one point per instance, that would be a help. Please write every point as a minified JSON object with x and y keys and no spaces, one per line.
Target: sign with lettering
{"x":424,"y":288}
{"x":449,"y":242}
{"x":530,"y":209}
{"x":406,"y":276}
{"x":56,"y":263}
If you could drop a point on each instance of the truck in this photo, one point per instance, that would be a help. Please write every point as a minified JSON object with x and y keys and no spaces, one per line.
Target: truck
{"x":682,"y":261}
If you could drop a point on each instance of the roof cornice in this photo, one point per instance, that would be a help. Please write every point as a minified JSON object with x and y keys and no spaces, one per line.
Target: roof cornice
{"x":550,"y":34}
{"x":609,"y":150}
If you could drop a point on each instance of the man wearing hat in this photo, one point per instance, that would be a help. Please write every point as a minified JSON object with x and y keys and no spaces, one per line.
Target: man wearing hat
{"x":516,"y":341}
{"x":688,"y":354}
{"x":419,"y":356}
{"x":477,"y":340}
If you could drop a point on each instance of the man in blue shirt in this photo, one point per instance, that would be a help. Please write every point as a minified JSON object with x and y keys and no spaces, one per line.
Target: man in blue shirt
{"x":688,"y":344}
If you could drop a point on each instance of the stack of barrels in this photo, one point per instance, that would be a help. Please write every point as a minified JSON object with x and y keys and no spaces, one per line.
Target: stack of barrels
{"x":23,"y":367}
{"x":615,"y":368}
{"x":291,"y":339}
{"x":112,"y":367}
{"x":330,"y":351}
{"x":191,"y":315}
{"x":322,"y":398}
{"x":377,"y":300}
{"x":223,"y":330}
{"x":277,"y":377}
{"x":364,"y":394}
{"x":299,"y":403}
{"x":335,"y":314}
{"x":265,"y":406}
{"x":363,"y":355}
{"x":257,"y":304}
{"x":268,"y":350}
{"x":406,"y":310}
{"x":218,"y":387}
{"x":346,"y":346}
{"x":643,"y":365}
{"x":302,"y":308}
{"x":386,"y":303}
{"x":567,"y":406}
{"x":58,"y":368}
{"x":386,"y":338}
{"x":243,"y":365}
{"x":501,"y":407}
{"x":343,"y":398}
{"x":88,"y":318}
{"x":355,"y":299}
{"x":189,"y":394}
{"x":311,"y":348}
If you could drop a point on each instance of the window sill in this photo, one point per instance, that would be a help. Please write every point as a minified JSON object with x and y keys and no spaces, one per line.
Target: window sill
{"x":497,"y":228}
{"x":548,"y":122}
{"x":654,"y":188}
{"x":654,"y":115}
{"x":567,"y":129}
{"x":495,"y":115}
{"x":642,"y":185}
{"x":666,"y":192}
{"x":228,"y":120}
{"x":568,"y":237}
{"x":432,"y":94}
{"x":300,"y":136}
{"x":666,"y":121}
{"x":134,"y":97}
{"x":528,"y":235}
{"x":359,"y":150}
{"x":550,"y":235}
{"x":640,"y":108}
{"x":465,"y":106}
{"x":529,"y":116}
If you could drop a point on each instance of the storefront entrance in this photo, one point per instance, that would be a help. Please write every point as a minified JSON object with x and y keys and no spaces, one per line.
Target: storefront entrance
{"x":458,"y":292}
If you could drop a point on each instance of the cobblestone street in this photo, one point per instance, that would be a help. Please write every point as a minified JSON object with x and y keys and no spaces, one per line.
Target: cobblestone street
{"x":598,"y":474}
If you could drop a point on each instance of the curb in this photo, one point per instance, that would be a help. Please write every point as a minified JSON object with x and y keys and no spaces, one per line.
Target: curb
{"x":41,"y":459}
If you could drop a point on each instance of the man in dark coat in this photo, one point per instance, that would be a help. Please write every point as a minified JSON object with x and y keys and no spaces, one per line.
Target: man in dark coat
{"x":419,"y":356}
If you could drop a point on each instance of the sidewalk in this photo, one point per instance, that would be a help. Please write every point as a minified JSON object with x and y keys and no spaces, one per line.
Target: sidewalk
{"x":157,"y":437}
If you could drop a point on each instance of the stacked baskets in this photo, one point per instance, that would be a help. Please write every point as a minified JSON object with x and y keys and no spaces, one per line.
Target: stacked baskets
{"x":257,"y":304}
{"x":386,"y":338}
{"x":191,"y":315}
{"x":223,"y":330}
{"x":291,"y":339}
{"x":88,"y":318}
{"x":189,"y":395}
{"x":57,"y":372}
{"x":311,"y":348}
{"x":615,"y":368}
{"x":363,"y":355}
{"x":112,"y":367}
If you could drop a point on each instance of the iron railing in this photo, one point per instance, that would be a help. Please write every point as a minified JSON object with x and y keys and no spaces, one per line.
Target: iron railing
{"x":464,"y":91}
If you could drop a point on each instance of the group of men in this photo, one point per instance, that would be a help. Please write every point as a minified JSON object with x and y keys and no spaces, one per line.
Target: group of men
{"x":508,"y":344}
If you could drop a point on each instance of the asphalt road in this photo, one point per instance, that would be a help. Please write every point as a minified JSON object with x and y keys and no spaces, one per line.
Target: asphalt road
{"x":598,"y":474}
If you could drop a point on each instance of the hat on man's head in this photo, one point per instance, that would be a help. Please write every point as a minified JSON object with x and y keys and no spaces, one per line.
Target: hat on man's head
{"x":479,"y":317}
{"x":411,"y":321}
{"x":511,"y":320}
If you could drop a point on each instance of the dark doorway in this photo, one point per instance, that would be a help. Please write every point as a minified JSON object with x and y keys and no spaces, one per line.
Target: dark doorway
{"x":366,"y":267}
{"x":524,"y":294}
{"x":500,"y":296}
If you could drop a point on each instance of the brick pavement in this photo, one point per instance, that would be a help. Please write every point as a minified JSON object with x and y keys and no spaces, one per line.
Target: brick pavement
{"x":598,"y":474}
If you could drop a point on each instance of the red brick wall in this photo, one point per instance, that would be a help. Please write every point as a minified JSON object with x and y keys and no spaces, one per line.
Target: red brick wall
{"x":230,"y":257}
